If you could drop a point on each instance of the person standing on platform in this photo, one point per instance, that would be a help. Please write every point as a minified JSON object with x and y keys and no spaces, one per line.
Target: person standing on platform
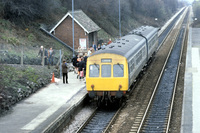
{"x":99,"y":47}
{"x":50,"y":56}
{"x":85,"y":60}
{"x":89,"y":52}
{"x":75,"y":63}
{"x":94,"y":46}
{"x":92,"y":50}
{"x":65,"y":72}
{"x":103,"y":46}
{"x":81,"y":68}
{"x":78,"y":64}
{"x":85,"y":57}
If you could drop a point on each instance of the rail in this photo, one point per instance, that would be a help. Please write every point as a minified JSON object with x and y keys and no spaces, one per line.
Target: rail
{"x":97,"y":116}
{"x":150,"y":104}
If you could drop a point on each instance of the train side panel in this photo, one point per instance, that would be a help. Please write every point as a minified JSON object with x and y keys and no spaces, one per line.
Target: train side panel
{"x":137,"y":62}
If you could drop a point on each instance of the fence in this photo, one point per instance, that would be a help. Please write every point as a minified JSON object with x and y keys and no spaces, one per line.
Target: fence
{"x":27,"y":55}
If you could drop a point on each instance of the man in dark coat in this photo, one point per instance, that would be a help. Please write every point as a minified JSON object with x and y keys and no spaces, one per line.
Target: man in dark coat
{"x":41,"y":52}
{"x":65,"y":72}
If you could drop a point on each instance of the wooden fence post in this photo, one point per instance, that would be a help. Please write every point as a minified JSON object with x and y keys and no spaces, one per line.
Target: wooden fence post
{"x":60,"y":64}
{"x":43,"y":57}
{"x":22,"y":55}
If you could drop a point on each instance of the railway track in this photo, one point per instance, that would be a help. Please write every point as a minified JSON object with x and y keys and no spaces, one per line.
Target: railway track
{"x":99,"y":121}
{"x":156,"y":117}
{"x":166,"y":32}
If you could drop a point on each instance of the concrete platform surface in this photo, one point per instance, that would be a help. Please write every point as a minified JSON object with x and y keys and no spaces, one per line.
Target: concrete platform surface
{"x":191,"y":111}
{"x":35,"y":113}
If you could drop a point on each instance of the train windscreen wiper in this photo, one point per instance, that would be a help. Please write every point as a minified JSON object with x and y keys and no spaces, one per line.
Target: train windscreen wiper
{"x":120,"y":66}
{"x":96,"y":66}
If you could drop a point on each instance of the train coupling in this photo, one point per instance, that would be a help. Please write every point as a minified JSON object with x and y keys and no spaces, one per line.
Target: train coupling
{"x":119,"y":94}
{"x":92,"y":94}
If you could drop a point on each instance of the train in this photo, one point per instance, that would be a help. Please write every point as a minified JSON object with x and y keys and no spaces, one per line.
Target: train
{"x":111,"y":71}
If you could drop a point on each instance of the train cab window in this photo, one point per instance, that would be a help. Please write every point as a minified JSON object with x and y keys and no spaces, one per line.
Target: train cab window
{"x":118,"y":70}
{"x":94,"y":70}
{"x":106,"y":71}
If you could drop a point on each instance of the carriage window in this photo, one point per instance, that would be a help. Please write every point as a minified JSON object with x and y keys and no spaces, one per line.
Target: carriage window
{"x":94,"y":70}
{"x":138,"y":57}
{"x":106,"y":71}
{"x":118,"y":70}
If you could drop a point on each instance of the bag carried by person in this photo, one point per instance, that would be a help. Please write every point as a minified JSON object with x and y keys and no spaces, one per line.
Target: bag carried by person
{"x":81,"y":74}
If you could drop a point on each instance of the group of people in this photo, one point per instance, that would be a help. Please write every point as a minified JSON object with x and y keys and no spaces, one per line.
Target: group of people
{"x":94,"y":48}
{"x":46,"y":54}
{"x":79,"y":62}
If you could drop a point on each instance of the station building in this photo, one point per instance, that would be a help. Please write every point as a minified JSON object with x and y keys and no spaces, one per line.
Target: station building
{"x":85,"y":30}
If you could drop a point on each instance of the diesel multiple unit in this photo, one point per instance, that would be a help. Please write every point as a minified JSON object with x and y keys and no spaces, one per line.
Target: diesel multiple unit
{"x":112,"y":70}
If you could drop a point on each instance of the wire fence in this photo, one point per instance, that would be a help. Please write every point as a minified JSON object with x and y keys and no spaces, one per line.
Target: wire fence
{"x":28,"y":55}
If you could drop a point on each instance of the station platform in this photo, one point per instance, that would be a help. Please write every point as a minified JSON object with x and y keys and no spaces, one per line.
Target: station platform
{"x":191,"y":111}
{"x":37,"y":112}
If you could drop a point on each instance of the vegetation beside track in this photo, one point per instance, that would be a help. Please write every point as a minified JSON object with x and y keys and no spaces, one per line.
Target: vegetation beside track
{"x":18,"y":82}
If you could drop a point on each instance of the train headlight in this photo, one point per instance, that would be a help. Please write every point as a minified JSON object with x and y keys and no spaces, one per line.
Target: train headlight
{"x":92,"y":86}
{"x":120,"y":86}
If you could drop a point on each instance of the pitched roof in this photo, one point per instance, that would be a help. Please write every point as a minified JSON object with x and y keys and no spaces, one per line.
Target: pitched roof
{"x":81,"y":19}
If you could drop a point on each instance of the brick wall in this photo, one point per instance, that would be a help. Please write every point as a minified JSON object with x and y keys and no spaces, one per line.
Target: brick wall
{"x":64,"y":33}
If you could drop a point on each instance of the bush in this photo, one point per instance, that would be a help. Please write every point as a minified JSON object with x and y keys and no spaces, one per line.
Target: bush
{"x":18,"y":82}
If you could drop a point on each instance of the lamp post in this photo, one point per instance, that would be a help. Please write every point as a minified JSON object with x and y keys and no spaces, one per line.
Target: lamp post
{"x":119,"y":21}
{"x":73,"y":24}
{"x":156,"y":21}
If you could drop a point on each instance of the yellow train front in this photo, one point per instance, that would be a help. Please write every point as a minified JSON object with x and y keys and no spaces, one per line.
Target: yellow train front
{"x":107,"y":76}
{"x":112,"y":70}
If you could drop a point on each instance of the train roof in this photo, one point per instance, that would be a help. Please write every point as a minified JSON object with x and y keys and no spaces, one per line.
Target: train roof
{"x":126,"y":45}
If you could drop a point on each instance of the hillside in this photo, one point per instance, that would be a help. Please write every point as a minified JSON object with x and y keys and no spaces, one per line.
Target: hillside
{"x":32,"y":14}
